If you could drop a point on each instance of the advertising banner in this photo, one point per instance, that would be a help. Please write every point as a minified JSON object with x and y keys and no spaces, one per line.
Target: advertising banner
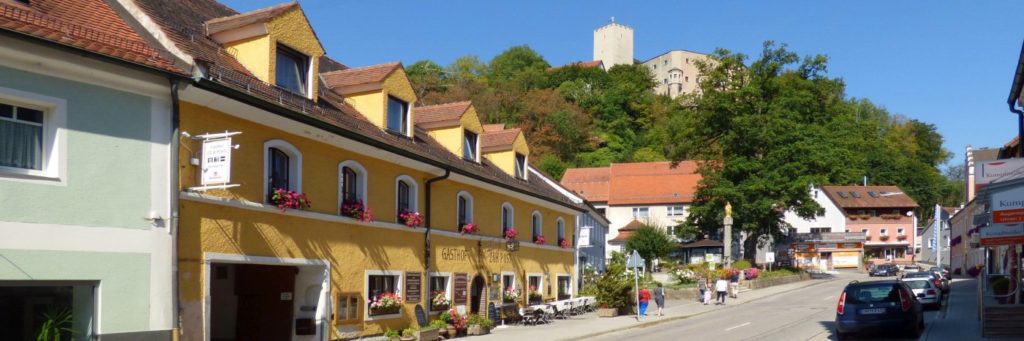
{"x":216,"y":163}
{"x":987,"y":172}
{"x":1007,"y":216}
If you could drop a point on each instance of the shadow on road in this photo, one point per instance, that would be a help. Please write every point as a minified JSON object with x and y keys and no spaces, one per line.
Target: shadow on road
{"x":831,"y":327}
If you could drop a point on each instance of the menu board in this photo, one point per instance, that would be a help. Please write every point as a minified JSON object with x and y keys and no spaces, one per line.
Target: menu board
{"x":413,"y":286}
{"x":461,"y":294}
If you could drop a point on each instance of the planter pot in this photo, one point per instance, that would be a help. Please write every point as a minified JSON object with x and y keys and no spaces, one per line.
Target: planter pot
{"x":452,"y":332}
{"x":385,"y":311}
{"x":477,"y":330}
{"x":410,"y":338}
{"x":461,"y":332}
{"x":427,"y":335}
{"x":607,"y":312}
{"x":439,"y":308}
{"x":536,"y":301}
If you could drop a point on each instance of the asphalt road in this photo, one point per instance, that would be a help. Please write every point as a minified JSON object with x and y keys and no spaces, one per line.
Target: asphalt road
{"x":803,"y":314}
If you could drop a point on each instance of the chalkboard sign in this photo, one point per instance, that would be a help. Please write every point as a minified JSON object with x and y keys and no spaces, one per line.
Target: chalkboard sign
{"x":461,"y":294}
{"x":413,"y":286}
{"x":492,"y":313}
{"x":421,"y":316}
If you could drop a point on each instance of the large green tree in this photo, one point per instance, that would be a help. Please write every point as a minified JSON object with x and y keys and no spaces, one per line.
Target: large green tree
{"x":650,"y":242}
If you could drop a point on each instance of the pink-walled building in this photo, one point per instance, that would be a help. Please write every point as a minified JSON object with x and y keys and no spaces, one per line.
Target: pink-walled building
{"x":885,"y":214}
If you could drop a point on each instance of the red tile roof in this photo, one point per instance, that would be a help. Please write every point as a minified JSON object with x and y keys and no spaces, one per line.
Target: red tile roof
{"x":632,"y":226}
{"x":494,"y":127}
{"x":221,"y":24}
{"x":585,"y":65}
{"x":861,"y":197}
{"x":590,"y":183}
{"x":702,"y":243}
{"x":441,"y":112}
{"x":501,"y":138}
{"x":89,"y":25}
{"x":622,"y":237}
{"x":360,"y":75}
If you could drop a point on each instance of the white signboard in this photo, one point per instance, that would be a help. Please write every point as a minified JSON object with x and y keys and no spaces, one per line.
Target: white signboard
{"x":769,"y":257}
{"x":987,"y":172}
{"x":584,"y":236}
{"x":1007,"y":217}
{"x":216,"y":163}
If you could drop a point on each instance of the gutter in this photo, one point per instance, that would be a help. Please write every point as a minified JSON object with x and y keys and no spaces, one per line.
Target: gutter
{"x":426,"y":234}
{"x":175,"y":145}
{"x":205,"y":83}
{"x":1015,"y":89}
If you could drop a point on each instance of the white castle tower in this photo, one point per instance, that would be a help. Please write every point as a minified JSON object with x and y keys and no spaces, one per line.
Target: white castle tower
{"x":613,"y":44}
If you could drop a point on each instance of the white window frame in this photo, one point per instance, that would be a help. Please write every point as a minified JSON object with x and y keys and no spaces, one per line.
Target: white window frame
{"x":672,"y":212}
{"x":537,"y":230}
{"x":399,"y":289}
{"x":476,"y":145}
{"x":515,"y":283}
{"x":309,"y":69}
{"x":540,"y":284}
{"x":636,"y":211}
{"x":558,"y":278}
{"x":560,"y":230}
{"x":866,"y":232}
{"x":511,"y":217}
{"x":414,"y":193}
{"x":469,"y":207}
{"x":901,"y":232}
{"x":407,"y":117}
{"x":522,"y":166}
{"x":55,"y":149}
{"x":362,"y":181}
{"x":447,"y":289}
{"x":883,"y":232}
{"x":294,"y":164}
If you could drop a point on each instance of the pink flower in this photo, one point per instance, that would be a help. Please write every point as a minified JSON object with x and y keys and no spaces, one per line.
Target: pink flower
{"x":511,"y":233}
{"x":539,"y":240}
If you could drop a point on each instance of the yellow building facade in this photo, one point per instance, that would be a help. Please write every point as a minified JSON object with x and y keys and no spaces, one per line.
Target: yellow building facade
{"x":250,"y":267}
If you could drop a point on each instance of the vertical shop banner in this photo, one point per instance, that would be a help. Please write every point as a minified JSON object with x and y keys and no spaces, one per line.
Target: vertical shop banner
{"x":216,"y":163}
{"x":584,"y":236}
{"x":461,"y":295}
{"x":413,"y":286}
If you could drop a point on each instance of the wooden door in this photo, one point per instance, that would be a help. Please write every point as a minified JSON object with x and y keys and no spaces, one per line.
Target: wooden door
{"x":265,"y":301}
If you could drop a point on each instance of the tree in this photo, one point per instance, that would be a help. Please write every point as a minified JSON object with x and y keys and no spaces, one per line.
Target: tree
{"x":515,"y":61}
{"x":651,"y":242}
{"x":425,"y":76}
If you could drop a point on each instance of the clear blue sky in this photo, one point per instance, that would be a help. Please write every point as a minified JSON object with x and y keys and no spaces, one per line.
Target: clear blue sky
{"x":942,"y":62}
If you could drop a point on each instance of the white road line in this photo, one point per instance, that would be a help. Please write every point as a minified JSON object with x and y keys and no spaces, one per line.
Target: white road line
{"x":734,"y":327}
{"x":827,"y":298}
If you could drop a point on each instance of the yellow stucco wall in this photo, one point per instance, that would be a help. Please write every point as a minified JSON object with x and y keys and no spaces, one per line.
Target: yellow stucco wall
{"x":374,"y":104}
{"x":506,"y":159}
{"x":451,"y":137}
{"x":253,"y":53}
{"x":258,"y":54}
{"x":350,"y":247}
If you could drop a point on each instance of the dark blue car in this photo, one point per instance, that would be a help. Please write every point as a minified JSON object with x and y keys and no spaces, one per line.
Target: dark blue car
{"x":883,"y":270}
{"x":886,"y":306}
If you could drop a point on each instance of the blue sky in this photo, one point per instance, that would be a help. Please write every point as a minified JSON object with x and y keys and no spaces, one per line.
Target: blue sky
{"x":943,"y":62}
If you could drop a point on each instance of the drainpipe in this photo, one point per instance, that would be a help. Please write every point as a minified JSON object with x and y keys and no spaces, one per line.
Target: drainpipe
{"x":426,"y":235}
{"x":175,"y":145}
{"x":1015,"y":91}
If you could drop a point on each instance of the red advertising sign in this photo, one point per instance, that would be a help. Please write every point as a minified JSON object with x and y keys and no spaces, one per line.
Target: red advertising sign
{"x":1008,"y":216}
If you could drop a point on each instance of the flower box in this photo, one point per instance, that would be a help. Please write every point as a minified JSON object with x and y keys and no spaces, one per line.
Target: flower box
{"x":411,"y":219}
{"x":563,"y":243}
{"x":469,"y":228}
{"x":539,"y":240}
{"x":385,"y":310}
{"x":511,"y":233}
{"x":883,"y":237}
{"x":355,"y":209}
{"x":439,"y":307}
{"x":285,"y":199}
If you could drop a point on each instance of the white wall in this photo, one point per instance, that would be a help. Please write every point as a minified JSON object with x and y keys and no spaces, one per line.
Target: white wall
{"x":620,"y":216}
{"x":613,"y":44}
{"x":832,"y":218}
{"x":683,"y":62}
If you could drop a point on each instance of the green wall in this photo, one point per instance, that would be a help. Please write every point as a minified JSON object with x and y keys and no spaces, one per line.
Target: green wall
{"x":108,"y":158}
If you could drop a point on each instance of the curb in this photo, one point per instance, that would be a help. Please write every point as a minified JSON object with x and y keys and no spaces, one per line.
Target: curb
{"x":677,"y":318}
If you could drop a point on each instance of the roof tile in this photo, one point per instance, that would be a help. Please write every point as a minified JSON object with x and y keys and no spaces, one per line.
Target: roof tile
{"x":861,"y":197}
{"x":221,"y":24}
{"x":359,"y":75}
{"x":441,"y":112}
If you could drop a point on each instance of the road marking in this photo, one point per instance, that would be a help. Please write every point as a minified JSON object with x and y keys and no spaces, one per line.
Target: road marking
{"x":734,"y":327}
{"x":827,"y":298}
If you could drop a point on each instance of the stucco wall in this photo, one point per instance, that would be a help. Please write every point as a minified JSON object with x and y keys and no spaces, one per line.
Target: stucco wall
{"x":832,"y":217}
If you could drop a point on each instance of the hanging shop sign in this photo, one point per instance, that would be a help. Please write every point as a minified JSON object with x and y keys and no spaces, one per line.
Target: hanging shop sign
{"x":216,"y":162}
{"x":584,"y":236}
{"x":988,"y":172}
{"x":1007,"y":226}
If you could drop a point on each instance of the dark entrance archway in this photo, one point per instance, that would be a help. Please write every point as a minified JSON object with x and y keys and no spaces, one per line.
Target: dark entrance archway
{"x":476,"y":294}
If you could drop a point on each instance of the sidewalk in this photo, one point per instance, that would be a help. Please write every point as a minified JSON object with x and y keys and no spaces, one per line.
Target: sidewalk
{"x":589,"y":325}
{"x":960,"y":320}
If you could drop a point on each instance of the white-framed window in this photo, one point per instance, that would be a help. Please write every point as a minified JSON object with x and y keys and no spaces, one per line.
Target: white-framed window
{"x":900,"y":232}
{"x":379,"y":283}
{"x":292,"y":70}
{"x":676,"y":211}
{"x":282,"y":165}
{"x":883,"y":232}
{"x":641,"y":212}
{"x":820,"y":230}
{"x":865,"y":232}
{"x":564,"y":286}
{"x":463,"y":209}
{"x":352,"y":182}
{"x":508,"y":214}
{"x":560,"y":231}
{"x":535,"y":284}
{"x":469,"y":146}
{"x":520,"y":166}
{"x":398,"y":116}
{"x":508,"y":281}
{"x":439,"y":283}
{"x":406,"y":193}
{"x":536,"y":223}
{"x":33,"y":140}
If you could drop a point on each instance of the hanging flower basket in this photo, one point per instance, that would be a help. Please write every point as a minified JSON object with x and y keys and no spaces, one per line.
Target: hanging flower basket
{"x":411,"y":219}
{"x":469,"y":228}
{"x":355,"y":209}
{"x":539,"y":240}
{"x":564,"y":243}
{"x":285,"y":199}
{"x":511,"y":233}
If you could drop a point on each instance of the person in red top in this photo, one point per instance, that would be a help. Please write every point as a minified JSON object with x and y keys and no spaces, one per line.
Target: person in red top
{"x":645,"y":296}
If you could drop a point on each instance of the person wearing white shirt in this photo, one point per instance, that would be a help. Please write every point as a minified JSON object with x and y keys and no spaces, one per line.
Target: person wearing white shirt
{"x":721,"y":286}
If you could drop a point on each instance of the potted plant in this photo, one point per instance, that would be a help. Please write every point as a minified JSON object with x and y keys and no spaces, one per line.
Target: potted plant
{"x":411,"y":219}
{"x":511,"y":233}
{"x":56,"y":325}
{"x":613,"y":288}
{"x":438,"y":301}
{"x":539,"y":240}
{"x":435,"y":328}
{"x":355,"y":209}
{"x":469,"y":228}
{"x":511,"y":295}
{"x":535,"y":296}
{"x":408,"y":335}
{"x":564,"y":243}
{"x":454,"y":321}
{"x":285,"y":199}
{"x":479,"y":325}
{"x":390,"y":334}
{"x":385,"y":304}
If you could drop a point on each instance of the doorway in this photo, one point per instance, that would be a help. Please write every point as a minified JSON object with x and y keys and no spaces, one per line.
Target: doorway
{"x":251,"y":302}
{"x":476,"y":294}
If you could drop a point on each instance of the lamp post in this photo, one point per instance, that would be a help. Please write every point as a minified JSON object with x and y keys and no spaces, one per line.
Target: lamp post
{"x":727,"y":239}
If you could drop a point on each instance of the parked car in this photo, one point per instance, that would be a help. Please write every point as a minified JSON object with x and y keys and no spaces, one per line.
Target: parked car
{"x":934,"y":277}
{"x":883,"y":270}
{"x":881,"y":306}
{"x":911,"y":268}
{"x":925,"y":291}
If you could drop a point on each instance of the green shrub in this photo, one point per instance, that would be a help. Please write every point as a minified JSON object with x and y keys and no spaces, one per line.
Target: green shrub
{"x":390,"y":334}
{"x":741,"y":264}
{"x":438,"y":324}
{"x":479,"y":320}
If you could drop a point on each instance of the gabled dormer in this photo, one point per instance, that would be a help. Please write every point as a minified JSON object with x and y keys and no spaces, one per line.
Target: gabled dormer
{"x":382,"y":93}
{"x":456,"y":126}
{"x":505,"y":148}
{"x":276,"y":44}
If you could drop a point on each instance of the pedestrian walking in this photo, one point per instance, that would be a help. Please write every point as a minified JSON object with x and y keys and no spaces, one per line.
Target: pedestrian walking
{"x":659,"y":299}
{"x":734,"y":284}
{"x":702,"y":284}
{"x":721,"y":286}
{"x":645,"y":297}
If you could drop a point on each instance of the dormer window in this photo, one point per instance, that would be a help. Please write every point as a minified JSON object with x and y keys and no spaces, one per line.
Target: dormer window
{"x":469,"y":146}
{"x":398,"y":116}
{"x":520,"y":166}
{"x":292,"y":71}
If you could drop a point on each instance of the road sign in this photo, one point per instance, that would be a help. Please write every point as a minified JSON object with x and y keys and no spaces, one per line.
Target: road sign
{"x":634,"y":261}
